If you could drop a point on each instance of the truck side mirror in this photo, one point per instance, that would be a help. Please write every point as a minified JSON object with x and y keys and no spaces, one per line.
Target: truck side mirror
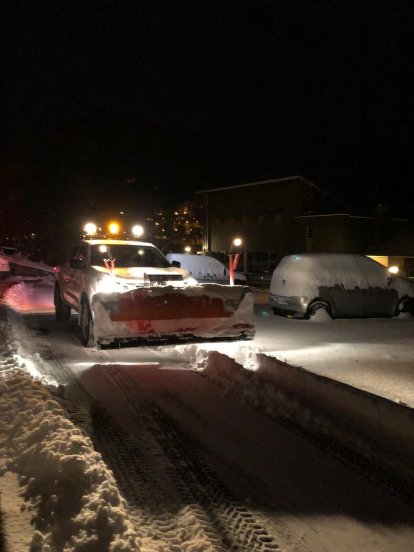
{"x":77,"y":264}
{"x":177,"y":264}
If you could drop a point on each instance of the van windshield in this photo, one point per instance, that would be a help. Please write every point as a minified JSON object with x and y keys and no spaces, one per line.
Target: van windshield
{"x":128,"y":256}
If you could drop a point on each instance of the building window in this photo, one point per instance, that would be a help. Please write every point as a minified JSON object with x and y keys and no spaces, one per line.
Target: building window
{"x":309,"y":232}
{"x":261,"y":262}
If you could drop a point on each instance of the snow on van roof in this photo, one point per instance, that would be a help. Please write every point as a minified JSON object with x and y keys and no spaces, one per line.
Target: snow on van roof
{"x":303,"y":274}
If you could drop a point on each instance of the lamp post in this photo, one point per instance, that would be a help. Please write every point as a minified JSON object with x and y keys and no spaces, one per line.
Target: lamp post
{"x":233,"y":263}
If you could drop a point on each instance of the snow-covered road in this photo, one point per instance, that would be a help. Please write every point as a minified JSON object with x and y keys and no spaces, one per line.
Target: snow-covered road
{"x":203,"y":471}
{"x":376,"y":355}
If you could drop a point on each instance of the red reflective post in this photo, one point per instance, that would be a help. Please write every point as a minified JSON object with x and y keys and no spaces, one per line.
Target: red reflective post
{"x":233,"y":266}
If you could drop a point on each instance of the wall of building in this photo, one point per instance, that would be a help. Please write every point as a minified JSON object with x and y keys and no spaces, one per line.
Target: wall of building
{"x":333,"y":234}
{"x":263,"y":216}
{"x":284,"y":217}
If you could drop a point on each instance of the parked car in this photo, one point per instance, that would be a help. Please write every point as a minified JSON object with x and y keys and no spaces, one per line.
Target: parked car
{"x":346,"y":286}
{"x":206,"y":269}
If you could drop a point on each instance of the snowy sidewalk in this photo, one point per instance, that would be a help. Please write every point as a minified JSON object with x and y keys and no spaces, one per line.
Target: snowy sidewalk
{"x":56,"y":490}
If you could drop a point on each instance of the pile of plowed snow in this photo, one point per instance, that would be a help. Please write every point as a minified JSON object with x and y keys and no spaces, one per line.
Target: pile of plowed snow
{"x":72,"y":495}
{"x":266,"y":390}
{"x":25,"y":297}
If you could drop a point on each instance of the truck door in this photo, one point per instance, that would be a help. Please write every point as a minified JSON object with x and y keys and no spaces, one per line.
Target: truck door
{"x":68,"y":289}
{"x":78,"y":274}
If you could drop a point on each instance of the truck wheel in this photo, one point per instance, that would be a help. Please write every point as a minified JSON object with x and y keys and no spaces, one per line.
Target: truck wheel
{"x":88,"y":336}
{"x":62,"y":311}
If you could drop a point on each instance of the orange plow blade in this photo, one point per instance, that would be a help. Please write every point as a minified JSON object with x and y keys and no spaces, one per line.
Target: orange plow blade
{"x":210,"y":311}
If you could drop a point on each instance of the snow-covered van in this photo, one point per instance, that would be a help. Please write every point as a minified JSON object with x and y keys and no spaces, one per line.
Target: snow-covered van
{"x":206,"y":269}
{"x":346,"y":286}
{"x":4,"y":267}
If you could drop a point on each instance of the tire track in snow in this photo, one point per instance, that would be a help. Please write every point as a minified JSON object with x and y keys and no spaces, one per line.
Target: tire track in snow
{"x":191,"y":474}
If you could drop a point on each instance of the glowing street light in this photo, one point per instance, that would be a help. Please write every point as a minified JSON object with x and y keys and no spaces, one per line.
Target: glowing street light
{"x":187,"y":249}
{"x":137,"y":230}
{"x":90,"y":228}
{"x":393,"y":269}
{"x":233,"y":263}
{"x":113,"y":228}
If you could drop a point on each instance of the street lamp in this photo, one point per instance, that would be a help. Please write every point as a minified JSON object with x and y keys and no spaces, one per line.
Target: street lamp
{"x":187,"y":249}
{"x":237,"y":242}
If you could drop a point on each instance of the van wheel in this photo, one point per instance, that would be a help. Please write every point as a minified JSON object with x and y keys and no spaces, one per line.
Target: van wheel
{"x":316,"y":306}
{"x":405,"y":305}
{"x":88,"y":337}
{"x":62,"y":311}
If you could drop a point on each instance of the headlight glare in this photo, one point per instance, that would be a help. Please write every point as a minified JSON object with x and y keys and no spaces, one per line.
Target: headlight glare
{"x":108,"y":284}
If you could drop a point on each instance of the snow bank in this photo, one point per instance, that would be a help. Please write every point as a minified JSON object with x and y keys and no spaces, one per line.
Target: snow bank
{"x":375,"y":428}
{"x":25,"y":297}
{"x":19,"y":259}
{"x":303,"y":275}
{"x":72,"y":495}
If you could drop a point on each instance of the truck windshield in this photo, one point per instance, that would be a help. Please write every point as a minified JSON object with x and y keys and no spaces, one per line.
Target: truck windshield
{"x":128,"y":256}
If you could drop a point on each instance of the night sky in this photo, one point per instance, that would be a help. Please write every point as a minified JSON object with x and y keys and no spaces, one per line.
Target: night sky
{"x":114,"y":104}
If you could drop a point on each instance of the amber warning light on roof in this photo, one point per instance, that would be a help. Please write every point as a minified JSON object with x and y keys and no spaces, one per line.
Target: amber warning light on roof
{"x":113,"y":228}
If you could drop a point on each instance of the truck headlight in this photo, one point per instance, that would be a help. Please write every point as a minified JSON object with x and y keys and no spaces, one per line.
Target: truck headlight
{"x":191,"y":281}
{"x":108,"y":284}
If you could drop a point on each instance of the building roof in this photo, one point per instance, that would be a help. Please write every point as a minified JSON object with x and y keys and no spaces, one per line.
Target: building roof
{"x":275,"y":181}
{"x":401,"y":245}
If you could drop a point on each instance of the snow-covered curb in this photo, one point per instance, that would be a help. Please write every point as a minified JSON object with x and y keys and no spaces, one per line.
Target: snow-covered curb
{"x":374,"y":428}
{"x":75,"y":502}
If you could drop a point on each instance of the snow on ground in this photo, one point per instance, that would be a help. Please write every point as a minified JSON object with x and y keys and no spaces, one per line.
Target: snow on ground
{"x":301,"y":488}
{"x":73,"y":499}
{"x":313,"y":499}
{"x":269,"y":389}
{"x":16,"y":516}
{"x":376,"y":355}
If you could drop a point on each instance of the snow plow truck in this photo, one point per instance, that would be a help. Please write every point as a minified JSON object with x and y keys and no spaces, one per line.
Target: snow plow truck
{"x":126,"y":290}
